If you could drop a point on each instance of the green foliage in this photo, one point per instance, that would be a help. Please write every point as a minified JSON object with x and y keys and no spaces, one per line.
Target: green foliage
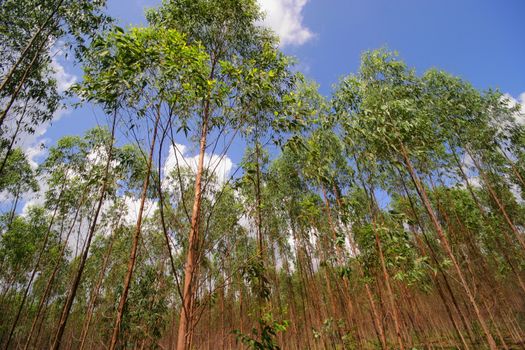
{"x":301,"y":231}
{"x":123,"y":68}
{"x":264,"y":338}
{"x":29,"y":93}
{"x":254,"y":274}
{"x":18,"y":177}
{"x":20,"y":243}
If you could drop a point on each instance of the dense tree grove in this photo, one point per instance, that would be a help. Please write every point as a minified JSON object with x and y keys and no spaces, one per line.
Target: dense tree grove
{"x":389,"y":215}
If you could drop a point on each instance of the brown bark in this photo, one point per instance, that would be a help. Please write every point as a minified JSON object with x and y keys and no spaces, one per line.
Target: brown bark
{"x":390,"y":294}
{"x":436,"y":281}
{"x":185,"y":327}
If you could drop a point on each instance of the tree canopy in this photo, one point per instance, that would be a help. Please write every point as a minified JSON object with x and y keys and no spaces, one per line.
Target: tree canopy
{"x":389,"y":215}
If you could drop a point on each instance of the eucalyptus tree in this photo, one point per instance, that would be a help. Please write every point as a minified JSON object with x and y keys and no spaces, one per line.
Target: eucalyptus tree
{"x":101,"y":258}
{"x":517,"y":147}
{"x":29,"y":27}
{"x":18,"y":178}
{"x":246,"y":67}
{"x":146,"y":315}
{"x":30,"y":33}
{"x":387,"y":114}
{"x":302,"y":185}
{"x":288,"y":191}
{"x":20,"y":248}
{"x":37,"y":105}
{"x":476,"y":127}
{"x":403,"y":189}
{"x":295,"y":212}
{"x":144,"y":71}
{"x":73,"y":172}
{"x":94,"y":153}
{"x":67,"y":175}
{"x":227,"y":253}
{"x":251,"y":186}
{"x":65,"y":166}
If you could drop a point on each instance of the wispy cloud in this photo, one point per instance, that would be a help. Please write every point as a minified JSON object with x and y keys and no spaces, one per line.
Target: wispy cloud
{"x":33,"y":144}
{"x":520,"y":101}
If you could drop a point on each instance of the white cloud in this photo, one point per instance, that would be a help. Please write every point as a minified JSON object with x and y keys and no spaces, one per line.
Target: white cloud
{"x":33,"y":144}
{"x":220,"y":166}
{"x":133,"y":206}
{"x":35,"y":151}
{"x":521,"y":116}
{"x":64,"y":79}
{"x":34,"y":148}
{"x":285,"y":18}
{"x":467,"y":163}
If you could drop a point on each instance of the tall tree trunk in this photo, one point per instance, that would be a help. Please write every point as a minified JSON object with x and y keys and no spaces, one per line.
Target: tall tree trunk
{"x":136,"y":237}
{"x":435,"y":279}
{"x":390,"y":294}
{"x":49,"y":283}
{"x":345,"y":291}
{"x":95,"y":291}
{"x":185,"y":327}
{"x":487,"y":220}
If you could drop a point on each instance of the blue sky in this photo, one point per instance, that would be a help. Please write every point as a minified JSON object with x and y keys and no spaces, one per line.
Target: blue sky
{"x":482,"y":41}
{"x":479,"y":40}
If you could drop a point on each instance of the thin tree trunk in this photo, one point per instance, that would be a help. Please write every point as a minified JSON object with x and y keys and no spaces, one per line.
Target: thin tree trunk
{"x":21,"y":83}
{"x":500,"y":205}
{"x":185,"y":327}
{"x":189,"y":278}
{"x":390,"y":294}
{"x":486,"y":219}
{"x":76,"y":281}
{"x":94,"y":293}
{"x":436,"y":262}
{"x":136,"y":237}
{"x":426,"y":202}
{"x":49,"y":283}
